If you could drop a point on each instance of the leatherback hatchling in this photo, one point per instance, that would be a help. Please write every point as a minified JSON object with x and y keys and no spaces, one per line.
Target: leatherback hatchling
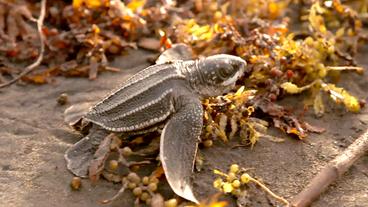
{"x":169,"y":94}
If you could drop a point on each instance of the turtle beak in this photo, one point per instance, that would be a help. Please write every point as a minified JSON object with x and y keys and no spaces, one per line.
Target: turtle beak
{"x":241,"y":65}
{"x":233,"y":79}
{"x":238,"y":64}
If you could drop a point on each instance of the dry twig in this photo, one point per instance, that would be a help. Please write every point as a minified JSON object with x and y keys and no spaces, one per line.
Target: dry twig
{"x":31,"y":67}
{"x":344,"y":68}
{"x":267,"y":190}
{"x":334,"y":169}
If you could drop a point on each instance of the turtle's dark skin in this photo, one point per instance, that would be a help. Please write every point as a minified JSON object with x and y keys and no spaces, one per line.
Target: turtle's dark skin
{"x":166,"y":94}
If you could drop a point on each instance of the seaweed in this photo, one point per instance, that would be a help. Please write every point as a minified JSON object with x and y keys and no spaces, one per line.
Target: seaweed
{"x":81,"y":38}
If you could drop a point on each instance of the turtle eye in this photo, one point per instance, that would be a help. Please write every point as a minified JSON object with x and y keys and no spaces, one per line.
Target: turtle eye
{"x":225,"y":72}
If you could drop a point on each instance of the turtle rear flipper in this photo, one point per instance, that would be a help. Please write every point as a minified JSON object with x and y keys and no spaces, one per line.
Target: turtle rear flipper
{"x":74,"y":114}
{"x":178,"y":146}
{"x":80,"y":155}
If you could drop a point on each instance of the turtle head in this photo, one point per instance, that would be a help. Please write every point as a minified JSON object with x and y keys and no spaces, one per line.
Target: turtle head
{"x":219,"y":73}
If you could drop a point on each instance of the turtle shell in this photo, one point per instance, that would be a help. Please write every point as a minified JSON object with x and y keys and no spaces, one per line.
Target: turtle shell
{"x":144,"y":100}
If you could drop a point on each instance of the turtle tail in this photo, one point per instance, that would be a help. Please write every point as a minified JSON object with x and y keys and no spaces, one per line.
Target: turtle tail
{"x":79,"y":156}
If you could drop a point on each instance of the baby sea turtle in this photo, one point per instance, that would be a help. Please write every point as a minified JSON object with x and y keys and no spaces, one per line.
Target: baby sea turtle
{"x":166,"y":94}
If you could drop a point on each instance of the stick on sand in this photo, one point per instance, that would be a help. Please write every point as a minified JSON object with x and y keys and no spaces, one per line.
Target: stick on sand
{"x":332,"y":171}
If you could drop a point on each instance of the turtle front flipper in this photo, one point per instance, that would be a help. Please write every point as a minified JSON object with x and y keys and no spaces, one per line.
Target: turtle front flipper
{"x":80,"y":155}
{"x":175,"y":52}
{"x":178,"y":145}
